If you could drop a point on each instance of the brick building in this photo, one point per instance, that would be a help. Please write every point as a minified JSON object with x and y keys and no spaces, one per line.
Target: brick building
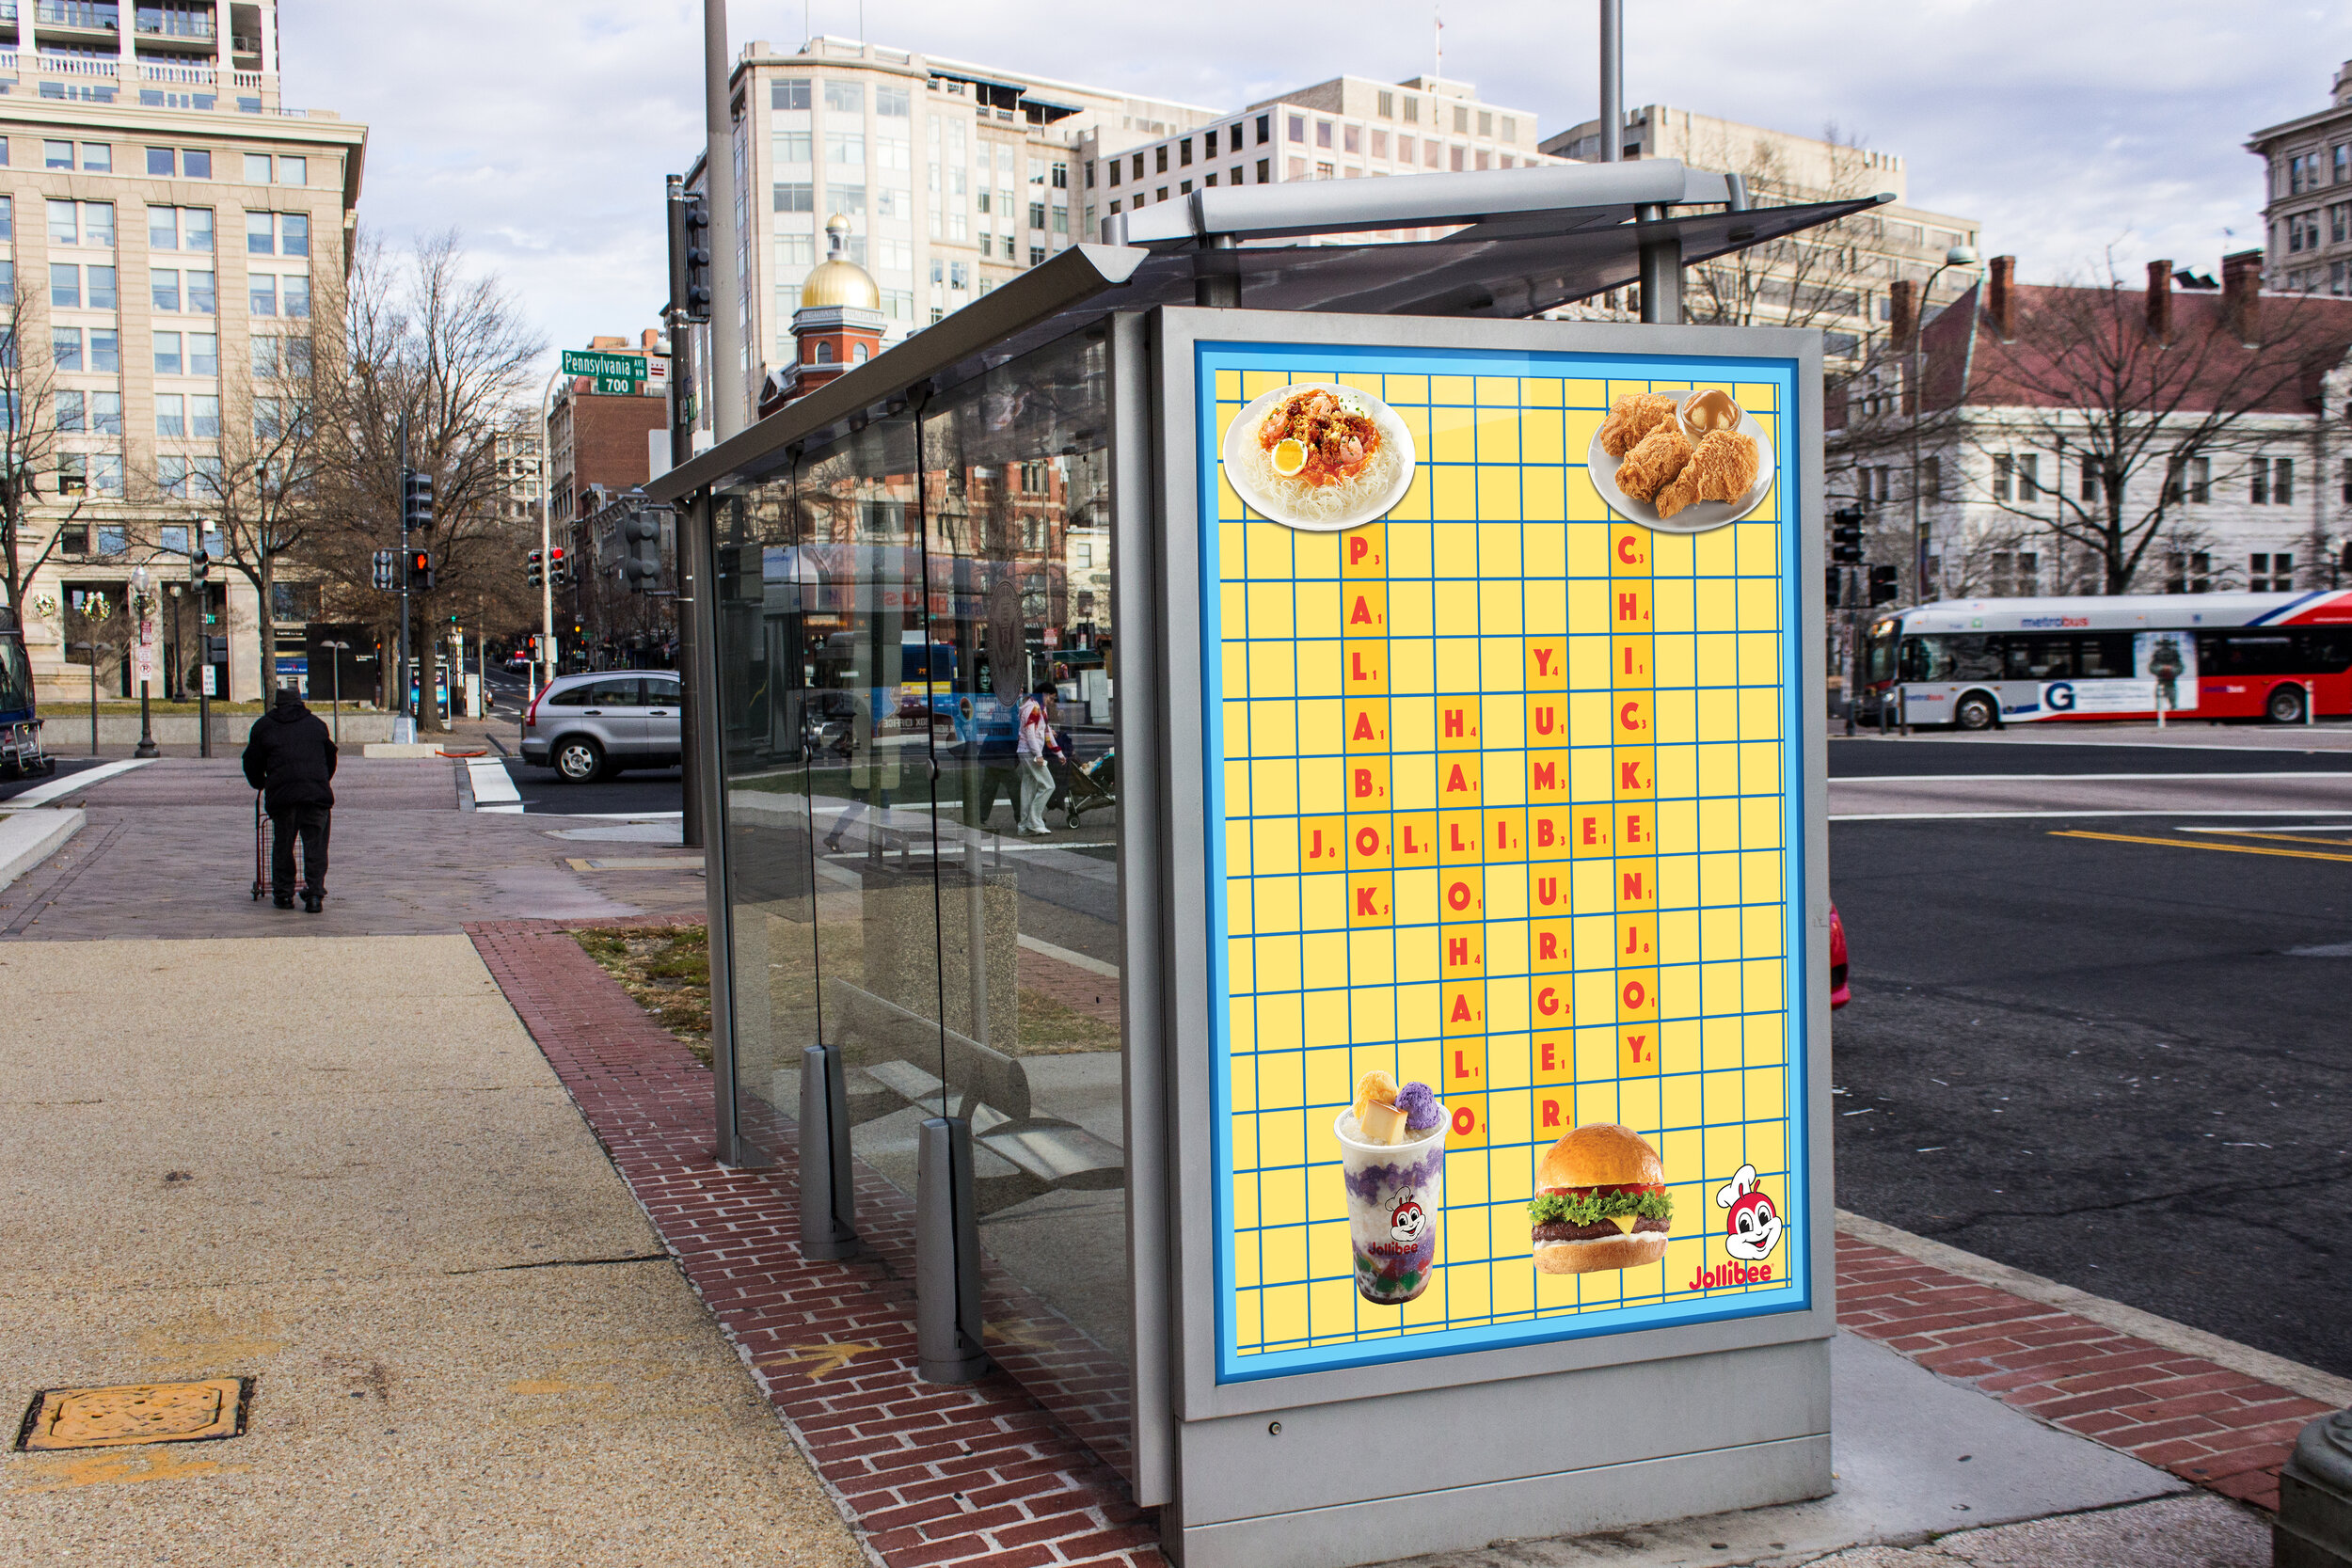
{"x":603,"y":439}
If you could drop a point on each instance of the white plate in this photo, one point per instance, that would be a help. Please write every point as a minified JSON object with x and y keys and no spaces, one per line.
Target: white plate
{"x":1243,"y":433}
{"x":1699,"y":516}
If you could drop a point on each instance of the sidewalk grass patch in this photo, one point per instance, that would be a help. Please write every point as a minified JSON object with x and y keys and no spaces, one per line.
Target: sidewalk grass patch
{"x":665,"y":970}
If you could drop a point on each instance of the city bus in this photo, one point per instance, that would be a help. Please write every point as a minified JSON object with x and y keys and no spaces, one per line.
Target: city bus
{"x":1973,"y":663}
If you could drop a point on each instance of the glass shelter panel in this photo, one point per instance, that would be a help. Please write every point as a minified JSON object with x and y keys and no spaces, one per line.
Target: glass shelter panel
{"x":1020,"y":677}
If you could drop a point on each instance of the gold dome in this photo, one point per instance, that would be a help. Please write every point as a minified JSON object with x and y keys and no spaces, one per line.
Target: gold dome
{"x":839,"y":280}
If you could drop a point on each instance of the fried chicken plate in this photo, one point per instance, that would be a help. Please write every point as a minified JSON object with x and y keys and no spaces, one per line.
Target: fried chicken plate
{"x":1634,"y":417}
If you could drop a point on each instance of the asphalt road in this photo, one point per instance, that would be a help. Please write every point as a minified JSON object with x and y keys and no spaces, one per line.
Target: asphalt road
{"x":2121,"y":1065}
{"x":638,"y":792}
{"x":12,"y":787}
{"x":1935,"y":756}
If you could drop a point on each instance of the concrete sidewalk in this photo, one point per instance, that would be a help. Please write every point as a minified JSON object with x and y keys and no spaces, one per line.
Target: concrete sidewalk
{"x":341,"y":1167}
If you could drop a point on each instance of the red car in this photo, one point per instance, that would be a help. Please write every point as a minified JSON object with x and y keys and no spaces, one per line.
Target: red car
{"x":1839,"y":994}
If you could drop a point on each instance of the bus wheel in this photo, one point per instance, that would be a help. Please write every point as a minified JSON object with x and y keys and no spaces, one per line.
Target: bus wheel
{"x":1975,"y":712}
{"x":2285,"y":705}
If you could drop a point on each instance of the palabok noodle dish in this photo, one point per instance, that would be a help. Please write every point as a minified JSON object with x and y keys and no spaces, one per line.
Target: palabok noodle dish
{"x":1321,"y":454}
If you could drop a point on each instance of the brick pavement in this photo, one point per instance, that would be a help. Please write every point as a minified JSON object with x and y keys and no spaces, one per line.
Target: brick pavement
{"x":168,"y":852}
{"x":936,"y":1475}
{"x":2203,"y":1422}
{"x":929,"y":1475}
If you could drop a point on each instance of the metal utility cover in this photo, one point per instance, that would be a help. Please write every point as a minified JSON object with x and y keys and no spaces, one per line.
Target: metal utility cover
{"x":134,"y":1413}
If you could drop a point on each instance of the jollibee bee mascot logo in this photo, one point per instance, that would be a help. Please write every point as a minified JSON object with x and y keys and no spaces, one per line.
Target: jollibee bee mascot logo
{"x":1407,"y":1220}
{"x":1752,"y":1226}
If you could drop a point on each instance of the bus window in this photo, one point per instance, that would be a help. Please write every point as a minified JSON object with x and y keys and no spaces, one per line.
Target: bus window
{"x":2106,"y":654}
{"x":2325,"y":651}
{"x":1969,"y":656}
{"x":2247,"y":653}
{"x":1882,"y":661}
{"x":2033,"y":658}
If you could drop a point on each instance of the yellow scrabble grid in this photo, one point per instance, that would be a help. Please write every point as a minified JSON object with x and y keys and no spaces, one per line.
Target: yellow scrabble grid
{"x":1499,"y":546}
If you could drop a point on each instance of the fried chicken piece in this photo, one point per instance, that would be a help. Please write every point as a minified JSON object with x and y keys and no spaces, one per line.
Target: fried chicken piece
{"x":1631,"y":417}
{"x":1679,"y":493}
{"x":1724,"y":466}
{"x":1654,"y":462}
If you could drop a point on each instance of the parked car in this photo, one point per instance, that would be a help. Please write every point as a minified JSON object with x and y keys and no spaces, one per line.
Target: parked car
{"x":1839,"y":992}
{"x":592,"y":726}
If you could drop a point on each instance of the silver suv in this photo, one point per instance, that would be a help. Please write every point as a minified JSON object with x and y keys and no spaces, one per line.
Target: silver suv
{"x":590,"y":727}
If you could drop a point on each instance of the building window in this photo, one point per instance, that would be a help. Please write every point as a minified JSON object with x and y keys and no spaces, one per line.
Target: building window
{"x":1184,"y":154}
{"x":74,"y":480}
{"x":171,"y":415}
{"x":2029,"y":477}
{"x":2271,"y":481}
{"x":106,"y":350}
{"x":1380,"y":144}
{"x":56,"y":154}
{"x":894,"y":103}
{"x":1037,"y":213}
{"x":1159,"y":159}
{"x":261,"y":294}
{"x":257,"y":170}
{"x":1294,"y":168}
{"x":845,"y":97}
{"x":72,"y":419}
{"x":1412,"y":111}
{"x":84,"y":222}
{"x":65,"y":347}
{"x":2343,"y":162}
{"x":2188,"y":573}
{"x":1323,"y":133}
{"x":845,"y":147}
{"x":1486,"y":123}
{"x":790,"y":147}
{"x":1510,"y":129}
{"x":1265,"y":172}
{"x":1091,"y":173}
{"x":106,"y":474}
{"x":795,"y":196}
{"x":168,"y":357}
{"x":65,"y":285}
{"x":1388,"y":105}
{"x":2087,"y":483}
{"x":788,"y":92}
{"x":202,"y":301}
{"x":1266,"y":129}
{"x":1296,"y":127}
{"x":1461,"y":120}
{"x":1930,"y":480}
{"x":2004,"y":470}
{"x":2269,"y":573}
{"x":278,"y":233}
{"x":1037,"y":256}
{"x":1459,"y":153}
{"x":1184,"y":187}
{"x":180,"y":228}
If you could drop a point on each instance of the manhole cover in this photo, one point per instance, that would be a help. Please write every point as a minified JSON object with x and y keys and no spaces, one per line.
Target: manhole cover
{"x":136,"y":1413}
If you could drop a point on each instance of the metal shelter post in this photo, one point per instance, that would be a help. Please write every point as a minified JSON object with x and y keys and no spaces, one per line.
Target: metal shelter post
{"x":828,"y":1193}
{"x":946,"y":1256}
{"x":698,"y":603}
{"x":1612,"y":81}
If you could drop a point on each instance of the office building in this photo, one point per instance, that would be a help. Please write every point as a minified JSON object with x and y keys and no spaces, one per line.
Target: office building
{"x":169,"y":231}
{"x":1348,"y":128}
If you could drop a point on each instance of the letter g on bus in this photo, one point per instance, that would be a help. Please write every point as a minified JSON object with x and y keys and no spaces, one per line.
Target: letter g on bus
{"x":2059,"y":697}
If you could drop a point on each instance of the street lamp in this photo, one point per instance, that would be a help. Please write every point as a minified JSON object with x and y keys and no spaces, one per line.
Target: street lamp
{"x":143,"y":605}
{"x":334,"y":651}
{"x":1959,"y":256}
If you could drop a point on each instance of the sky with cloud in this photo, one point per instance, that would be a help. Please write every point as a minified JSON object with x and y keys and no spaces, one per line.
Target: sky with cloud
{"x":541,"y":129}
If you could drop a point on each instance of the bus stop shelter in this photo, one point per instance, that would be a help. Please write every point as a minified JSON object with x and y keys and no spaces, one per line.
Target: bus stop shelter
{"x":1468,"y":770}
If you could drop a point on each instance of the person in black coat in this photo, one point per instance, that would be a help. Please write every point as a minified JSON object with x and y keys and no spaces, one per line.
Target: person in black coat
{"x":290,"y":758}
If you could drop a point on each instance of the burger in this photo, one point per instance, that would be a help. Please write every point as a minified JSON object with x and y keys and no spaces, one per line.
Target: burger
{"x":1600,"y":1202}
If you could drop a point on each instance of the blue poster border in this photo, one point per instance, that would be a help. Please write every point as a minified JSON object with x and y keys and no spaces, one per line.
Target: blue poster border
{"x":1211,"y":357}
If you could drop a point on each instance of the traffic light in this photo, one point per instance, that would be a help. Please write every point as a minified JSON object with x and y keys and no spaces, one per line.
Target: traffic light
{"x":1836,"y":579}
{"x":416,"y":502}
{"x":388,"y":570}
{"x":531,"y":572}
{"x":200,"y":568}
{"x":420,"y":571}
{"x":641,"y":532}
{"x":690,"y":257}
{"x":1844,"y":539}
{"x":1885,"y":585}
{"x":559,"y":567}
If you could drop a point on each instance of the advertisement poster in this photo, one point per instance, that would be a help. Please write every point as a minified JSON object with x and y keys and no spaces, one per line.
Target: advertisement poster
{"x":1501,"y":752}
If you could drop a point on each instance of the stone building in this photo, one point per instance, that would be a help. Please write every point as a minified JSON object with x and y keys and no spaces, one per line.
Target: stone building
{"x":2307,"y":207}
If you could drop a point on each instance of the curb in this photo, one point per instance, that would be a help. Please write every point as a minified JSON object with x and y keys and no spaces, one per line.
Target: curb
{"x":29,"y":837}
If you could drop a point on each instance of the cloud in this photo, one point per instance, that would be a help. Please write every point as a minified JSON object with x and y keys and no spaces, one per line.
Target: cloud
{"x":541,"y":129}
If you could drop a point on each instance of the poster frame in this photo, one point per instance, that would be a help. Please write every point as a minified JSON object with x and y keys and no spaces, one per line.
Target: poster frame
{"x":1190,"y":1306}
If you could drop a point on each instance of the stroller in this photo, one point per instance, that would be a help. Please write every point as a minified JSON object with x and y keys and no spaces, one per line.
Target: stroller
{"x":1092,"y":786}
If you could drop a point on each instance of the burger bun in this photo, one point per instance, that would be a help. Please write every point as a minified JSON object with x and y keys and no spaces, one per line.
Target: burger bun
{"x":1600,"y":1154}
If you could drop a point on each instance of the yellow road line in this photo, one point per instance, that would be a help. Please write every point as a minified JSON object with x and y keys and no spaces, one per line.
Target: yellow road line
{"x":2287,"y":838}
{"x":2194,"y":843}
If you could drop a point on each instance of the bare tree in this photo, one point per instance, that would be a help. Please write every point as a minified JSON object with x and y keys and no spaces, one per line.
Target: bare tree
{"x":2095,"y":427}
{"x":30,"y":522}
{"x":1803,"y":280}
{"x":442,"y":353}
